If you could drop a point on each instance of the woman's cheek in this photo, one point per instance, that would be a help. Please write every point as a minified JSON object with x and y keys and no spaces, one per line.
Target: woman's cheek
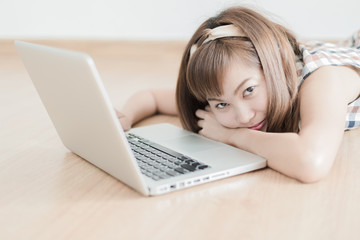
{"x":226,"y":121}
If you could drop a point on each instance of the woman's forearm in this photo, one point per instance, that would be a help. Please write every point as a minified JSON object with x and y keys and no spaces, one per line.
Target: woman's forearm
{"x":139,"y":106}
{"x":149,"y":102}
{"x":287,"y":153}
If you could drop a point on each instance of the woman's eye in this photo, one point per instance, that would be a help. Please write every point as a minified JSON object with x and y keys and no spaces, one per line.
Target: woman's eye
{"x":221,"y":105}
{"x":249,"y":90}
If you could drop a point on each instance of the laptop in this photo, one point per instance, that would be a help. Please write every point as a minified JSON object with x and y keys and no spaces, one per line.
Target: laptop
{"x":154,"y":159}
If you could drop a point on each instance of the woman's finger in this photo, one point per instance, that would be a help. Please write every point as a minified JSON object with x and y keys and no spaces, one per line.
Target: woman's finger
{"x":200,"y":123}
{"x":200,"y":113}
{"x":119,"y":114}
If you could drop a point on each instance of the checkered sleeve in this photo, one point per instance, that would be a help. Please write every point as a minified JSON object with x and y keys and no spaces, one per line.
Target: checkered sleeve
{"x":353,"y":115}
{"x":327,"y":54}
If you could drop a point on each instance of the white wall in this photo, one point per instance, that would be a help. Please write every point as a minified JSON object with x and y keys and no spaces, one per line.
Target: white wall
{"x":164,"y":19}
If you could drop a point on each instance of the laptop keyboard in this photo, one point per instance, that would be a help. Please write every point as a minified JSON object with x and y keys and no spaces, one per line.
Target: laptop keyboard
{"x":157,"y":162}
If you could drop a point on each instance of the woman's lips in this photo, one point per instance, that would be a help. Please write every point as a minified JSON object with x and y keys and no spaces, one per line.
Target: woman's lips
{"x":258,"y":126}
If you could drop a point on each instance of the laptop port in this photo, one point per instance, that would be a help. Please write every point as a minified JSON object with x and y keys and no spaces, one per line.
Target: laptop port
{"x":197,"y":181}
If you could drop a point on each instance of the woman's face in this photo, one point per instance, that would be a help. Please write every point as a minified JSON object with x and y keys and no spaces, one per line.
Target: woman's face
{"x":244,"y":101}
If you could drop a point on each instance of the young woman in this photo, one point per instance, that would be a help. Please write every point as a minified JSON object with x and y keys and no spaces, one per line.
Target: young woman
{"x":247,"y":82}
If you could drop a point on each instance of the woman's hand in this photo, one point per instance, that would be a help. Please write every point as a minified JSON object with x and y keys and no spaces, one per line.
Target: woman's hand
{"x":124,"y":120}
{"x":211,"y":128}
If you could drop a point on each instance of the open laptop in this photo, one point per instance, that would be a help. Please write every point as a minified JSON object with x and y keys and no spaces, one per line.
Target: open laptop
{"x":154,"y":159}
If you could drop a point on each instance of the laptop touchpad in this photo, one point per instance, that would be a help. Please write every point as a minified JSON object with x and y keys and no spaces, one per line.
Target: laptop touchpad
{"x":190,"y":144}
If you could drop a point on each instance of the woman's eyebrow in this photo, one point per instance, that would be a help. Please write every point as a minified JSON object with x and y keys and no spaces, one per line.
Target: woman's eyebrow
{"x":241,"y":84}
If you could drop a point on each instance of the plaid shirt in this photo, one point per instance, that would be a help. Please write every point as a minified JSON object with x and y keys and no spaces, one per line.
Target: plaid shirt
{"x":318,"y":54}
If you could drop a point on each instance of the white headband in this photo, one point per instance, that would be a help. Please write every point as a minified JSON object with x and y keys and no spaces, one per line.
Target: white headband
{"x":219,"y":32}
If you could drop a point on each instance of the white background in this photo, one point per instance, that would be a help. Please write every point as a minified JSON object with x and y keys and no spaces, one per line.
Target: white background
{"x":164,"y":19}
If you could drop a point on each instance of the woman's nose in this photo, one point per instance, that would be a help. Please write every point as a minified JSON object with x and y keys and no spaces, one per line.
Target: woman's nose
{"x":244,"y":114}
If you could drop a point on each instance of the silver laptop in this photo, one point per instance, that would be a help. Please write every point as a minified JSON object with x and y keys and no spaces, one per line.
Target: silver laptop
{"x":153,"y":160}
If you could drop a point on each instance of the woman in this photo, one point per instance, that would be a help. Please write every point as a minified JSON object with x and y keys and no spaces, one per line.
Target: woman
{"x":245,"y":81}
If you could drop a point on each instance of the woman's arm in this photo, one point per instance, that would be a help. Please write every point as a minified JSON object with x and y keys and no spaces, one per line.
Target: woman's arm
{"x":309,"y":154}
{"x":147,"y":103}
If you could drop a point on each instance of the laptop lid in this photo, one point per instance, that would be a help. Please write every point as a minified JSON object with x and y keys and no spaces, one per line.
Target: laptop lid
{"x":73,"y":94}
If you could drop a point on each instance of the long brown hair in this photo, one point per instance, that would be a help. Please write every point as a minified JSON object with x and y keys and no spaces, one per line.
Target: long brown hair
{"x":265,"y":44}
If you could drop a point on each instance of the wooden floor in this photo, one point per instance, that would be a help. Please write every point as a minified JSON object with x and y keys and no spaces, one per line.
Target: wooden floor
{"x":47,"y":192}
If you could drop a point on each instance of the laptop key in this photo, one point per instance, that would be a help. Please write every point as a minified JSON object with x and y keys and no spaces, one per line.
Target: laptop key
{"x":201,"y":167}
{"x":189,"y":161}
{"x":163,"y":175}
{"x":173,"y":173}
{"x":184,"y":158}
{"x":178,"y":162}
{"x":156,"y":178}
{"x":195,"y":164}
{"x":181,"y":170}
{"x":188,"y":167}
